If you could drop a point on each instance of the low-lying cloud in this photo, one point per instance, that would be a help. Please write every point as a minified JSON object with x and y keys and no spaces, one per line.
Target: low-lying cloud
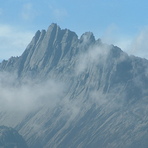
{"x":139,"y":45}
{"x":28,"y":96}
{"x":134,"y":45}
{"x":94,"y":55}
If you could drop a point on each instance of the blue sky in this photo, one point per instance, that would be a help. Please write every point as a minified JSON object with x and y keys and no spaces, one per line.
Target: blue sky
{"x":120,"y":22}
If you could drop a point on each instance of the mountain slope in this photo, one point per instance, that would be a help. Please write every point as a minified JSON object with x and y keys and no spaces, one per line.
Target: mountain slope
{"x":9,"y":138}
{"x":76,"y":92}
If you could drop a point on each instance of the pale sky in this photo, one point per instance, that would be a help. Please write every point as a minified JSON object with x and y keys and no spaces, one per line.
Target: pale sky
{"x":120,"y":22}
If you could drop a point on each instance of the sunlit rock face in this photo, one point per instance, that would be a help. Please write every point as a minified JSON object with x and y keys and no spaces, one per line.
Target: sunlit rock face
{"x":70,"y":92}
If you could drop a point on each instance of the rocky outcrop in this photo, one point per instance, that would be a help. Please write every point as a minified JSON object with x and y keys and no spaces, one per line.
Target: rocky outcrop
{"x":9,"y":138}
{"x":102,"y":101}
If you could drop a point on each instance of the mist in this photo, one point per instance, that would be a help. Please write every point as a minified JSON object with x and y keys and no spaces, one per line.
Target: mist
{"x":29,"y":95}
{"x":131,"y":44}
{"x":89,"y":96}
{"x":24,"y":97}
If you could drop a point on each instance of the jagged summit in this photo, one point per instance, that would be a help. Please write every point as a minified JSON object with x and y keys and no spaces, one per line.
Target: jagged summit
{"x":87,"y":37}
{"x":70,"y":92}
{"x":49,"y":47}
{"x":57,"y":34}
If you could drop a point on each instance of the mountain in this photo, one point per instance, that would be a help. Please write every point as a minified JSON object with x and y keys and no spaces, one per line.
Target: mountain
{"x":68,"y":92}
{"x":9,"y":138}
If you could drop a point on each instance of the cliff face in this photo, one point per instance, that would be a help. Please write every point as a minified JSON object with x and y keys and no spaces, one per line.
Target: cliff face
{"x":9,"y":138}
{"x":44,"y":51}
{"x":83,"y":92}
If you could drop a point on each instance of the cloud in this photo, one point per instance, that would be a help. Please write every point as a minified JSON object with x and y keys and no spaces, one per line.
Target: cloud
{"x":13,"y":41}
{"x":20,"y":99}
{"x":133,"y":45}
{"x":94,"y":55}
{"x":139,"y":45}
{"x":52,"y":96}
{"x":29,"y":95}
{"x":113,"y":35}
{"x":28,"y":12}
{"x":110,"y":36}
{"x":58,"y":13}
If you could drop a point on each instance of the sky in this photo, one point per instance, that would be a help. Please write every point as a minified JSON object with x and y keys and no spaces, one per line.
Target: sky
{"x":123,"y":23}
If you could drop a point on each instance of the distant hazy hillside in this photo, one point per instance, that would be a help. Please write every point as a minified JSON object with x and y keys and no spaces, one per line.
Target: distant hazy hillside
{"x":70,"y":92}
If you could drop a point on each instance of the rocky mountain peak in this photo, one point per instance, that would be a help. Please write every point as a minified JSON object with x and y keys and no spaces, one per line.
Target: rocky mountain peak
{"x":71,"y":92}
{"x":87,"y":37}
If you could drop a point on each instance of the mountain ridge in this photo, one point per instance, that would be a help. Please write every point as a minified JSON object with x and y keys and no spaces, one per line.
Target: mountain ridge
{"x":76,"y":92}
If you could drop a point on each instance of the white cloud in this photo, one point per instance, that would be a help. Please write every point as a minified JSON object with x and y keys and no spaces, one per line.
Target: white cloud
{"x":29,"y":95}
{"x":58,"y":13}
{"x":94,"y":55}
{"x":13,"y":41}
{"x":110,"y":35}
{"x":139,"y":45}
{"x":133,"y":45}
{"x":17,"y":100}
{"x":28,"y":12}
{"x":113,"y":35}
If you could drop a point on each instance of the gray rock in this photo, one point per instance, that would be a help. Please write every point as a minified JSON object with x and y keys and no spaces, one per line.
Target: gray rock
{"x":9,"y":138}
{"x":102,"y":101}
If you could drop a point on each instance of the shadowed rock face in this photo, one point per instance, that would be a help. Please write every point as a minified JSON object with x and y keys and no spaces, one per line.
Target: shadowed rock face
{"x":97,"y":96}
{"x":9,"y":138}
